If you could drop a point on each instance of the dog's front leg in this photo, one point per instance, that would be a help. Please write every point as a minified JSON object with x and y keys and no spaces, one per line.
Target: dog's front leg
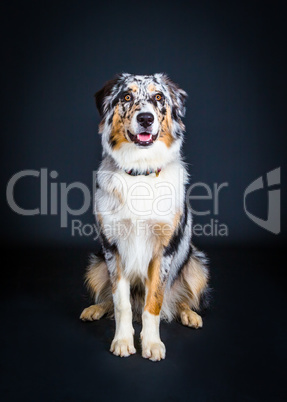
{"x":152,"y":346}
{"x":123,"y":342}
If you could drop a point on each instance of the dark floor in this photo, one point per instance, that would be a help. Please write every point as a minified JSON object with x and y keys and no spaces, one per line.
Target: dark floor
{"x":50,"y":355}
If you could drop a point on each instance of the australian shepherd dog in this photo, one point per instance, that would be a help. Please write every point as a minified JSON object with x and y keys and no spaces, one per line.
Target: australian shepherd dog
{"x":148,"y":268}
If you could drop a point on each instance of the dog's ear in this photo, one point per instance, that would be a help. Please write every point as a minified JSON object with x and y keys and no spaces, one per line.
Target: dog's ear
{"x":178,"y":97}
{"x":103,"y":93}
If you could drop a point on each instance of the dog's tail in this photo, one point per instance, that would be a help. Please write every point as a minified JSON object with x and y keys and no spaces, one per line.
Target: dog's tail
{"x":98,"y":281}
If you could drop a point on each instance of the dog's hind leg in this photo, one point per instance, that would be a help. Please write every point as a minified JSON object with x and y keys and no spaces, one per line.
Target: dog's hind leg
{"x":96,"y":311}
{"x":194,"y":284}
{"x":189,"y":317}
{"x":99,"y":284}
{"x":191,"y":291}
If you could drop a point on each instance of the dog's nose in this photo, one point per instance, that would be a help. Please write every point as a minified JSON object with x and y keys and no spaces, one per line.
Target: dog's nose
{"x":145,"y":119}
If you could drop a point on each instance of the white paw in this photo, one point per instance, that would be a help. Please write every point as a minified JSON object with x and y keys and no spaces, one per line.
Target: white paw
{"x":154,"y":351}
{"x":123,"y":347}
{"x":191,"y":319}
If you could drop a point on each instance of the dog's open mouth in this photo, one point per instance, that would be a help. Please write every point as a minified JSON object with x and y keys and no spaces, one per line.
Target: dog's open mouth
{"x":144,"y":139}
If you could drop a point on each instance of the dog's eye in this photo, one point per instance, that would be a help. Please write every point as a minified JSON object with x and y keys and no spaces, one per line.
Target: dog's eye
{"x":158,"y":97}
{"x":128,"y":98}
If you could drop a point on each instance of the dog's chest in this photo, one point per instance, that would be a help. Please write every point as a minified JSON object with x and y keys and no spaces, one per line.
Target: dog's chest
{"x":136,"y":210}
{"x":122,"y":197}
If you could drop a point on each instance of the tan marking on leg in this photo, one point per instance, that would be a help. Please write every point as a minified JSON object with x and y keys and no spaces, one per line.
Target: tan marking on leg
{"x":155,"y":287}
{"x":163,"y":232}
{"x":152,"y":346}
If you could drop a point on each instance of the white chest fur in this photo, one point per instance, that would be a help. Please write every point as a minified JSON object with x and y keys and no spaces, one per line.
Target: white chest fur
{"x":130,"y":207}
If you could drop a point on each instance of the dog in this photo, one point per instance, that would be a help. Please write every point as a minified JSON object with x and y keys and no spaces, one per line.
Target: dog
{"x":147,"y":268}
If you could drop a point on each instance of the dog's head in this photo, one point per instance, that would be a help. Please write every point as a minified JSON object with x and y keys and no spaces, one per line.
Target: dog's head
{"x":140,"y":113}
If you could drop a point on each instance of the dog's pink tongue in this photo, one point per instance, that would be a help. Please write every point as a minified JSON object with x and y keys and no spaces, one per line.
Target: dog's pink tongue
{"x":144,"y":137}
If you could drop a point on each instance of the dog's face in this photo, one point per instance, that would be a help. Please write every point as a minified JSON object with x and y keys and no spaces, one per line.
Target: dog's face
{"x":141,"y":110}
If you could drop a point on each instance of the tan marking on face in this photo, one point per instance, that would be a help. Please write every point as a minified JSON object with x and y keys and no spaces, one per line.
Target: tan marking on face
{"x":166,"y":127}
{"x":130,"y":114}
{"x":155,"y":287}
{"x":117,"y":137}
{"x":134,"y":87}
{"x":128,"y":117}
{"x":151,"y":88}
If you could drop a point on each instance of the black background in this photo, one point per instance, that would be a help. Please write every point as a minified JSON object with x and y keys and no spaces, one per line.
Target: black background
{"x":231,"y":59}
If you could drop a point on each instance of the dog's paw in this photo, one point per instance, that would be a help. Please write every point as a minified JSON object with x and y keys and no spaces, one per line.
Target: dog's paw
{"x":94,"y":312}
{"x":191,"y":319}
{"x":123,"y":347}
{"x":154,"y":351}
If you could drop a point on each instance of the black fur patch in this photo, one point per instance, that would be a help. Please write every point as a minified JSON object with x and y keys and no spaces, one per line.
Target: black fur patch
{"x":205,"y":300}
{"x":107,"y":246}
{"x":178,"y":134}
{"x":118,"y":97}
{"x":113,"y":143}
{"x":178,"y":234}
{"x":104,"y":92}
{"x":152,"y":101}
{"x":110,"y":119}
{"x":185,"y":261}
{"x":174,"y":113}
